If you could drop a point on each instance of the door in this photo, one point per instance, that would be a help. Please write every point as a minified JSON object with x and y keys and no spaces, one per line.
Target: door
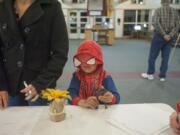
{"x":77,"y":20}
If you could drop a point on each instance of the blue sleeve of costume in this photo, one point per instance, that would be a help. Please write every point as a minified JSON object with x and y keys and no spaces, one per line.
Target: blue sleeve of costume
{"x":74,"y":86}
{"x":109,"y":85}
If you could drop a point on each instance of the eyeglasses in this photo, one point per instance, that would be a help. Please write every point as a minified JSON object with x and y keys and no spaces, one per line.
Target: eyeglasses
{"x":91,"y":61}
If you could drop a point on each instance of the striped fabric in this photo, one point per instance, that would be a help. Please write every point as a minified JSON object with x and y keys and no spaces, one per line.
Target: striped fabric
{"x":167,"y":21}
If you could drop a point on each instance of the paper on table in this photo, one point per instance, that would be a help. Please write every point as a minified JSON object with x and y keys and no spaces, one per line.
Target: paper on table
{"x":19,"y":123}
{"x":142,"y":119}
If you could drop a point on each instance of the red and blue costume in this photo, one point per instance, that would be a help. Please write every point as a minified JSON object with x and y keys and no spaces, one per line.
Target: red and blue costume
{"x":84,"y":85}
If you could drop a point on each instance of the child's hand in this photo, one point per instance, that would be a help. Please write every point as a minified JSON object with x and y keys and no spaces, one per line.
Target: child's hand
{"x":174,"y":123}
{"x":91,"y":102}
{"x":106,"y":98}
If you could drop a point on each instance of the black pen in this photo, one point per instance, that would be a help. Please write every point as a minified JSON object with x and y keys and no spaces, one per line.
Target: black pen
{"x":105,"y":105}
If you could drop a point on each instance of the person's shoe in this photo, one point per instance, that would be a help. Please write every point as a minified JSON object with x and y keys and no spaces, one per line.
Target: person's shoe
{"x":147,"y":76}
{"x":162,"y":79}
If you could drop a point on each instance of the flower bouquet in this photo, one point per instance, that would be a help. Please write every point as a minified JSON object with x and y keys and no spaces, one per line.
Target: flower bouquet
{"x":58,"y":99}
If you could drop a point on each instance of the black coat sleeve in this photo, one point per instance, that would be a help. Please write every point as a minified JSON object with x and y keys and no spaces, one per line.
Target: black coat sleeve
{"x":3,"y":79}
{"x":59,"y":52}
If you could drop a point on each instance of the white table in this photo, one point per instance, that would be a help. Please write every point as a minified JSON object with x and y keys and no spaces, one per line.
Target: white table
{"x":116,"y":120}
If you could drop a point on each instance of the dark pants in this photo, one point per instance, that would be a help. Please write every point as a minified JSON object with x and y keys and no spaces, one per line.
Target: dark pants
{"x":159,"y":44}
{"x":19,"y":100}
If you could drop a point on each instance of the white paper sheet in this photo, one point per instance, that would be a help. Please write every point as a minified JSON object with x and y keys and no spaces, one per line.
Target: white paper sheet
{"x":140,"y":119}
{"x":19,"y":123}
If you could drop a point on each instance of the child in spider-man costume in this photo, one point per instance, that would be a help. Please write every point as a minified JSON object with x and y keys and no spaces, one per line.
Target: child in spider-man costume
{"x":90,"y":84}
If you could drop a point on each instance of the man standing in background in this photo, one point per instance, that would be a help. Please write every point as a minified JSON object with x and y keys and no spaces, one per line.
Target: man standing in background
{"x":166,"y":26}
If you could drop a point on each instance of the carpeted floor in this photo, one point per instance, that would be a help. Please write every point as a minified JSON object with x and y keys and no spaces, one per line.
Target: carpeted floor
{"x":125,"y":61}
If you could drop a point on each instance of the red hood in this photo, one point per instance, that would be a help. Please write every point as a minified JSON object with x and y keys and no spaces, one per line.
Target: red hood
{"x":91,"y":48}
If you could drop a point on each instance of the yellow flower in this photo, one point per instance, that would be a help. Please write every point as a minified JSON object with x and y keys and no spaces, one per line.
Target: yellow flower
{"x":52,"y":94}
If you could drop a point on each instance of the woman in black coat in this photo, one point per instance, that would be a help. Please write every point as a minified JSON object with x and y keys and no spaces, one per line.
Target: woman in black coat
{"x":33,"y":49}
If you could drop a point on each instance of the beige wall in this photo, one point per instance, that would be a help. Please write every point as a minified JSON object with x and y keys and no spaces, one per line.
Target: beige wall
{"x":119,"y":12}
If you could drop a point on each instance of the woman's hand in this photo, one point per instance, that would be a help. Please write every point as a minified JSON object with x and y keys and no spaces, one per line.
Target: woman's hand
{"x":106,"y":98}
{"x":3,"y":99}
{"x":30,"y":93}
{"x":167,"y":37}
{"x":90,"y":102}
{"x":174,"y":123}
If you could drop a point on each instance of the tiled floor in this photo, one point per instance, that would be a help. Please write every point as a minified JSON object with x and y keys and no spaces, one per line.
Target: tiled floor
{"x":125,"y":60}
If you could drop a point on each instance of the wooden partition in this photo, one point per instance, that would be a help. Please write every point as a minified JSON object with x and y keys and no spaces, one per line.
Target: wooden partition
{"x":101,"y":35}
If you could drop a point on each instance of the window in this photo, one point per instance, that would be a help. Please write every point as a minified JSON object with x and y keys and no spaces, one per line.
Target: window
{"x":98,"y":20}
{"x":128,"y":28}
{"x":73,"y":17}
{"x":82,"y":1}
{"x":178,"y":12}
{"x":73,"y":1}
{"x":83,"y":28}
{"x":133,"y":1}
{"x":140,"y":1}
{"x":130,"y":16}
{"x":134,"y":18}
{"x":84,"y":14}
{"x":175,"y":1}
{"x":137,"y":1}
{"x":84,"y":19}
{"x":143,"y":15}
{"x":107,"y":20}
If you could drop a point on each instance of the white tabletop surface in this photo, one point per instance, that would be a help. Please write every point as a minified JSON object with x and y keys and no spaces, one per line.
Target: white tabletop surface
{"x":123,"y":119}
